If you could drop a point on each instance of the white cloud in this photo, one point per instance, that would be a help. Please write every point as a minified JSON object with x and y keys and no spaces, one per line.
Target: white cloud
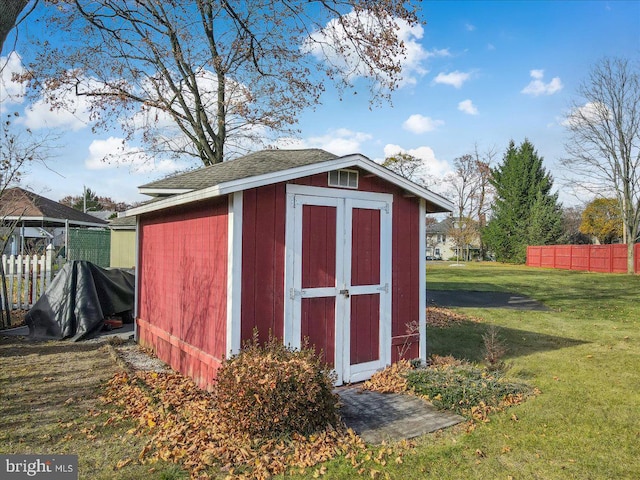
{"x":341,"y":141}
{"x":433,"y":166}
{"x":10,"y":92}
{"x":537,"y":74}
{"x":330,"y":45}
{"x":588,"y":113}
{"x":420,"y":124}
{"x":115,"y":152}
{"x":537,"y":86}
{"x":41,"y":115}
{"x":455,"y":79}
{"x":468,"y":107}
{"x":437,"y":52}
{"x":63,"y":108}
{"x":469,"y":27}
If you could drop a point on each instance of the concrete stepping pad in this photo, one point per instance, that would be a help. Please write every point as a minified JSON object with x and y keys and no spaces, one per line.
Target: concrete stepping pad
{"x":378,"y":417}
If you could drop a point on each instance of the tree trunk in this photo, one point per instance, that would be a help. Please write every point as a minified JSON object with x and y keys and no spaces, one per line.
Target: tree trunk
{"x":9,"y":11}
{"x":6,"y":307}
{"x":630,"y":255}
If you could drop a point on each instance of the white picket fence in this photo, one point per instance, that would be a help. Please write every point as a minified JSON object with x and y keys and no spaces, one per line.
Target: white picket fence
{"x":27,"y":278}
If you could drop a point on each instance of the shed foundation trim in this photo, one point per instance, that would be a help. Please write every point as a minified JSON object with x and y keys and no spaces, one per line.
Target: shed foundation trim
{"x":201,"y":365}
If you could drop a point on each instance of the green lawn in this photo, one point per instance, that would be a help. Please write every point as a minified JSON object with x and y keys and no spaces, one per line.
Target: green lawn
{"x":583,"y":354}
{"x":49,"y":405}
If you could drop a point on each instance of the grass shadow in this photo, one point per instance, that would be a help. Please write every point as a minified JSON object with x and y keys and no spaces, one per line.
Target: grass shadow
{"x":464,"y":340}
{"x":20,"y":346}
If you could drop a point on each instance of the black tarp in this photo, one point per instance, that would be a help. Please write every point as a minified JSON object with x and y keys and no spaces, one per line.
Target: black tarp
{"x":78,"y":300}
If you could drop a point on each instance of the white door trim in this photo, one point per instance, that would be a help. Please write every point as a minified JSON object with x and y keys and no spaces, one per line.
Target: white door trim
{"x":338,"y":193}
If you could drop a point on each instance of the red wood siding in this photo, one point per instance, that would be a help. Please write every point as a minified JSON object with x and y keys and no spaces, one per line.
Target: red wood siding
{"x":183,"y":287}
{"x":263,"y":237}
{"x":317,"y":324}
{"x":318,"y":246}
{"x":405,"y":273}
{"x":365,"y":247}
{"x":365,"y":328}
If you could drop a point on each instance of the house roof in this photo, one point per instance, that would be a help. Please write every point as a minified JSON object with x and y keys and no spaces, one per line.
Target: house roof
{"x":264,"y":168}
{"x":443,"y":226}
{"x":123,"y":223}
{"x":258,"y":163}
{"x":31,"y":208}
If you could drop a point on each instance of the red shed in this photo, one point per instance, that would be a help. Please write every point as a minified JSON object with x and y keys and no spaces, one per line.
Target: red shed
{"x":296,"y":243}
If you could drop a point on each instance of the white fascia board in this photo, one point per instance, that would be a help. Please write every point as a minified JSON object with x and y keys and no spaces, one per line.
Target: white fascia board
{"x":122,"y":227}
{"x":356,"y":160}
{"x":407,"y":185}
{"x":192,"y":196}
{"x":156,"y":192}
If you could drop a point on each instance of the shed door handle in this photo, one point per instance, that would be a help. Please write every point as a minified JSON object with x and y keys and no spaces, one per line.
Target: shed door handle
{"x":345,"y":292}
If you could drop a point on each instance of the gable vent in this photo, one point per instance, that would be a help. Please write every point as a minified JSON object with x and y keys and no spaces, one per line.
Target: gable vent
{"x":343,"y":178}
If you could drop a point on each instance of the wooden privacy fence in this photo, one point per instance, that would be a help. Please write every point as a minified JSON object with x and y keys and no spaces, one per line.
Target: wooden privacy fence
{"x":27,"y":278}
{"x":591,"y":258}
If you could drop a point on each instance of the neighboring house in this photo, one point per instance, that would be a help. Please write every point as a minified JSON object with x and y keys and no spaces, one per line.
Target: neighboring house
{"x":123,"y":242}
{"x":442,"y":245}
{"x":298,"y":244}
{"x":105,"y":215}
{"x":38,"y":221}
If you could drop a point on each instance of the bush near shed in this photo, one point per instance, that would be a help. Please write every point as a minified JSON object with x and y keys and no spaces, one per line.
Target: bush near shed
{"x":274,"y":390}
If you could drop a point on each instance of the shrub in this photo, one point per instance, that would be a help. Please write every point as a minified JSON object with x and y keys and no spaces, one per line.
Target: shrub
{"x":272,"y":390}
{"x":494,"y":349}
{"x":463,"y":387}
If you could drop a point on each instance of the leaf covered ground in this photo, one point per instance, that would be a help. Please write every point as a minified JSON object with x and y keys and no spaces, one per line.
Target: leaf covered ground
{"x":183,"y":428}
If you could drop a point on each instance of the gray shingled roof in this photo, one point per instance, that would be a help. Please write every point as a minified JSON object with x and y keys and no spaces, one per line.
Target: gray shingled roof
{"x":122,"y":222}
{"x":18,"y":202}
{"x":258,"y":163}
{"x":443,"y":226}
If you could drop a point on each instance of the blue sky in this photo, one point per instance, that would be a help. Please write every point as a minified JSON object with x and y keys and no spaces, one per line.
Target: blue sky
{"x":479,"y":72}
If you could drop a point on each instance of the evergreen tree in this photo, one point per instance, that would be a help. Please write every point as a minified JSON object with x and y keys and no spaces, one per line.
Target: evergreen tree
{"x":525,"y":212}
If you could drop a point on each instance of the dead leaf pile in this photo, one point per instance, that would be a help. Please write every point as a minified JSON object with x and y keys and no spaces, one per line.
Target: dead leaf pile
{"x":390,"y":380}
{"x":186,"y":430}
{"x":444,"y":318}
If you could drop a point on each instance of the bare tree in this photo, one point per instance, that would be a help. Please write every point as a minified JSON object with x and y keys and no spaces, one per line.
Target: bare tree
{"x":212,"y":78}
{"x":406,"y":166}
{"x":571,"y":221}
{"x":18,"y":150}
{"x":604,"y":143}
{"x":471,"y":190}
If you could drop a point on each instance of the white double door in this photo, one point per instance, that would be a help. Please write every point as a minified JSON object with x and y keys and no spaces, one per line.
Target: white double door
{"x":338,"y":277}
